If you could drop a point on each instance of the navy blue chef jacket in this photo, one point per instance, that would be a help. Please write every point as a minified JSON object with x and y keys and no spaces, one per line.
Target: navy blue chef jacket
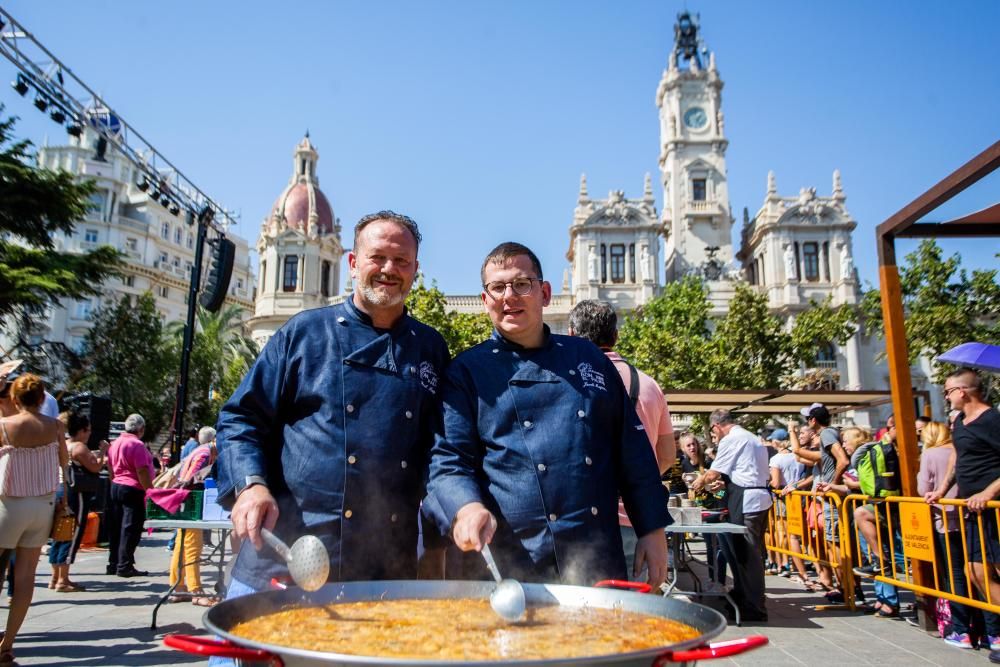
{"x":339,"y":417}
{"x":545,"y":438}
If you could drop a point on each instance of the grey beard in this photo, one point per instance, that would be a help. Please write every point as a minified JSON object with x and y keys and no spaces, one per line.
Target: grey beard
{"x":372,"y":296}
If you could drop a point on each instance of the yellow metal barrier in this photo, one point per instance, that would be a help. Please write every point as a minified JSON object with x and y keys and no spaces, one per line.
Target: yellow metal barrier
{"x":904,"y":532}
{"x":808,"y":526}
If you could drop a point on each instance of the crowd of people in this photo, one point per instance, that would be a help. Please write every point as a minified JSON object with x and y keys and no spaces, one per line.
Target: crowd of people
{"x":354,"y":425}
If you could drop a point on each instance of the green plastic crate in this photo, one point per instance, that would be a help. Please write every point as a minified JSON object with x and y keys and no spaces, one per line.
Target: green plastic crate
{"x":190,"y":509}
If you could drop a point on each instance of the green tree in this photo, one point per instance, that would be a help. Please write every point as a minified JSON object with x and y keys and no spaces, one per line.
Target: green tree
{"x":751,"y":349}
{"x":221,"y":354}
{"x":943,"y":305}
{"x":35,"y":204}
{"x":127,"y":358}
{"x":820,"y":325}
{"x":460,"y":330}
{"x":669,"y":337}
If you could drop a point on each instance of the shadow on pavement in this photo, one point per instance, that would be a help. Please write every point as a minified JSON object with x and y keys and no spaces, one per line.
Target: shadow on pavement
{"x":111,"y":646}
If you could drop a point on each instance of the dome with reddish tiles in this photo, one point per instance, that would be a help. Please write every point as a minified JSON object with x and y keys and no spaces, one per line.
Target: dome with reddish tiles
{"x":302,"y":205}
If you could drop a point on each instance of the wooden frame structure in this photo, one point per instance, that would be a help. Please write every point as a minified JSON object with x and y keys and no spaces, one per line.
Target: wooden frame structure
{"x":905,"y":224}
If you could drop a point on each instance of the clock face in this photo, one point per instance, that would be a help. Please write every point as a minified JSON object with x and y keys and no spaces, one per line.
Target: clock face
{"x":695,"y":118}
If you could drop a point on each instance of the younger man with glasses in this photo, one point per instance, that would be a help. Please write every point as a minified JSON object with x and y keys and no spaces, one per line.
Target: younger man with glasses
{"x":540,"y":438}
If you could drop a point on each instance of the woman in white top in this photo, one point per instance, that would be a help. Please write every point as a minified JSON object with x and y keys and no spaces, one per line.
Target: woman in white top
{"x":32,"y":450}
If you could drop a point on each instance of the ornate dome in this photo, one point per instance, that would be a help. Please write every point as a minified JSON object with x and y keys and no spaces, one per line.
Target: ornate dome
{"x":302,"y":205}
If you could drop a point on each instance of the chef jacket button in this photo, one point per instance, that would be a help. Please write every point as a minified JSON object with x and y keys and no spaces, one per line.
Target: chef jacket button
{"x":409,"y":414}
{"x":581,"y":414}
{"x":350,"y":408}
{"x":541,"y":467}
{"x":413,"y":370}
{"x":393,"y":518}
{"x":527,"y":423}
{"x":403,"y":464}
{"x":341,"y":320}
{"x":589,"y":461}
{"x":352,"y":459}
{"x":348,"y":514}
{"x":572,"y":372}
{"x":496,"y":351}
{"x":552,"y":517}
{"x":593,"y":510}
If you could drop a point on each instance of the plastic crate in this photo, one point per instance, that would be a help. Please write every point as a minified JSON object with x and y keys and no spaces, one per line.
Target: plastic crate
{"x":190,"y":509}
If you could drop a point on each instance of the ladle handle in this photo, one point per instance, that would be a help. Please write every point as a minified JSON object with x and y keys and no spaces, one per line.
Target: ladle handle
{"x":490,"y":563}
{"x":275,"y":543}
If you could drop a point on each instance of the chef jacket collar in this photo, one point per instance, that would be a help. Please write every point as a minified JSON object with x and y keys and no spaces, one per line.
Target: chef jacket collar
{"x":505,"y":344}
{"x":364,"y":318}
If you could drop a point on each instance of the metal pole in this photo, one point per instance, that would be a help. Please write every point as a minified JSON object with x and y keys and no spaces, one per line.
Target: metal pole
{"x":204,"y":219}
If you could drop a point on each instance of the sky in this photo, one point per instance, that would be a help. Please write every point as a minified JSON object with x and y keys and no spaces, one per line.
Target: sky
{"x":477,"y":119}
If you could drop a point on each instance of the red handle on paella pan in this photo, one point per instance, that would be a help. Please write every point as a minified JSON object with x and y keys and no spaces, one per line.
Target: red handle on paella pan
{"x":637,"y":586}
{"x":717,"y":650}
{"x":219,"y":648}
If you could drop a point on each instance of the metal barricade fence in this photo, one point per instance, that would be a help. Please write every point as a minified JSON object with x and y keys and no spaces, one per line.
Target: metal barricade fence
{"x":807,"y":526}
{"x":895,"y":535}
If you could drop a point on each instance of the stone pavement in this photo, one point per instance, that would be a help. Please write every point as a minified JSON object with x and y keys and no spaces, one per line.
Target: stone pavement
{"x":108,"y":625}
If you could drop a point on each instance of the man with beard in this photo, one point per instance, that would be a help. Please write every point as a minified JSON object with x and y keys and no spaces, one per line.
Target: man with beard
{"x":329,"y":432}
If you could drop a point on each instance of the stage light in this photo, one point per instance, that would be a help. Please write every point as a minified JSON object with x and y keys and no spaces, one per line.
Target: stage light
{"x":57,"y":115}
{"x":165,"y":200}
{"x":155,"y":194}
{"x":189,"y":218}
{"x":74,"y":129}
{"x":174,"y":209}
{"x":20,"y":85}
{"x":100,"y":148}
{"x":41,"y":103}
{"x":143,"y":184}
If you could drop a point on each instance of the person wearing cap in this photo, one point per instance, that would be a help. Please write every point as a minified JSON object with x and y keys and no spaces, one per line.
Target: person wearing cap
{"x":742,"y":466}
{"x":328,"y":434}
{"x":597,"y":322}
{"x":786,"y":472}
{"x":829,"y":463}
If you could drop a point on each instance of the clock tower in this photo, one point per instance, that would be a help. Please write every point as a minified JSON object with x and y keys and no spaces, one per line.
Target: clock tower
{"x":696,"y":216}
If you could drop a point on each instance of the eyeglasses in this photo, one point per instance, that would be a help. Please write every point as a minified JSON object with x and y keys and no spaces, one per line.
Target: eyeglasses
{"x":520,"y":287}
{"x":951,"y":389}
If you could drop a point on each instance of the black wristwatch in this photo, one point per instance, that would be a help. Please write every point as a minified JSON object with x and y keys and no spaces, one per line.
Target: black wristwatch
{"x":248,"y":481}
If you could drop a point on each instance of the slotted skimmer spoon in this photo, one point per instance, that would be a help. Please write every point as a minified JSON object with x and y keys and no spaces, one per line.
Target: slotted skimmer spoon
{"x":507,"y":599}
{"x":308,"y":561}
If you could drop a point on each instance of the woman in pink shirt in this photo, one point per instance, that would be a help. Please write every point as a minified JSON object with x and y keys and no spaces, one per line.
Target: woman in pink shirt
{"x":32,"y":450}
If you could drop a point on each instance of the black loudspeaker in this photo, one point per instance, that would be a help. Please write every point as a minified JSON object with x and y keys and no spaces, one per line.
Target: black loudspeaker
{"x":97,"y":409}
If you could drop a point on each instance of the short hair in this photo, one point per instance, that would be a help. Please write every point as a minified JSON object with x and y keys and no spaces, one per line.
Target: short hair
{"x":206,"y":435}
{"x":721,"y":417}
{"x":506,"y":251}
{"x":596,"y":321}
{"x":134,"y":423}
{"x":856,"y":435}
{"x":924,"y":418}
{"x":76,"y":422}
{"x":28,"y":390}
{"x":970,"y":377}
{"x":821,"y":414}
{"x":387,"y":216}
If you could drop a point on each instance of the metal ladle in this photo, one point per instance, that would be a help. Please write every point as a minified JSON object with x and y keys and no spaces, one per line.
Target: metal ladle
{"x":308,"y":561}
{"x":507,"y":599}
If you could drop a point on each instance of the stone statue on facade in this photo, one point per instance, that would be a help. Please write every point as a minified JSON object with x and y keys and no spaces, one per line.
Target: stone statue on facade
{"x":846,"y":263}
{"x":591,"y":264}
{"x":645,"y":263}
{"x":789,"y":256}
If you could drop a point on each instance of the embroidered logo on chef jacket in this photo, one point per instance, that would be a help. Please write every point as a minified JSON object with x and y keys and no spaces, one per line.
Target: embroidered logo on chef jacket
{"x":428,"y":377}
{"x":590,"y":377}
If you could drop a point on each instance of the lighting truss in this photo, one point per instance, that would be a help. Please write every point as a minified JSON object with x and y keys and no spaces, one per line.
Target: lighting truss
{"x":59,"y":86}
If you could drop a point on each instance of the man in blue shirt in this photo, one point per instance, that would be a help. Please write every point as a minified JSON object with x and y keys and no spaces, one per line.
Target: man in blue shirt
{"x":329,"y":432}
{"x":539,"y":439}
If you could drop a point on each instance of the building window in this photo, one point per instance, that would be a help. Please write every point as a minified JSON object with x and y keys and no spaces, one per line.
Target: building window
{"x":190,"y":240}
{"x":631,"y":260}
{"x":810,"y":261}
{"x":128,"y":281}
{"x":324,"y":284}
{"x":163,"y":259}
{"x":163,"y":291}
{"x":188,"y":268}
{"x":263,"y":275}
{"x":90,"y":236}
{"x":698,"y":189}
{"x":798,"y":262}
{"x":617,"y":262}
{"x":131,"y":244}
{"x":165,"y":231}
{"x":291,"y":278}
{"x":604,"y":263}
{"x":178,"y":233}
{"x":826,"y":261}
{"x":83,"y":310}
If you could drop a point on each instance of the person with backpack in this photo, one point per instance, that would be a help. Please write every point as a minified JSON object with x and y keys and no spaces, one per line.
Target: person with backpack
{"x":877,"y":466}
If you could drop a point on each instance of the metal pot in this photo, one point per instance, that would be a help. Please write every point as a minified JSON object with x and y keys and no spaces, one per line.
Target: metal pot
{"x":223,"y":616}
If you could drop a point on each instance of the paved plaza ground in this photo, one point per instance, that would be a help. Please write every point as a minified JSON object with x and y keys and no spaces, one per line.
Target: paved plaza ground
{"x":108,"y":624}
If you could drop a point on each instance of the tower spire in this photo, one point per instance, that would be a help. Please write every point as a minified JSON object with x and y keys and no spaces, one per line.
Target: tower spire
{"x":583,"y":187}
